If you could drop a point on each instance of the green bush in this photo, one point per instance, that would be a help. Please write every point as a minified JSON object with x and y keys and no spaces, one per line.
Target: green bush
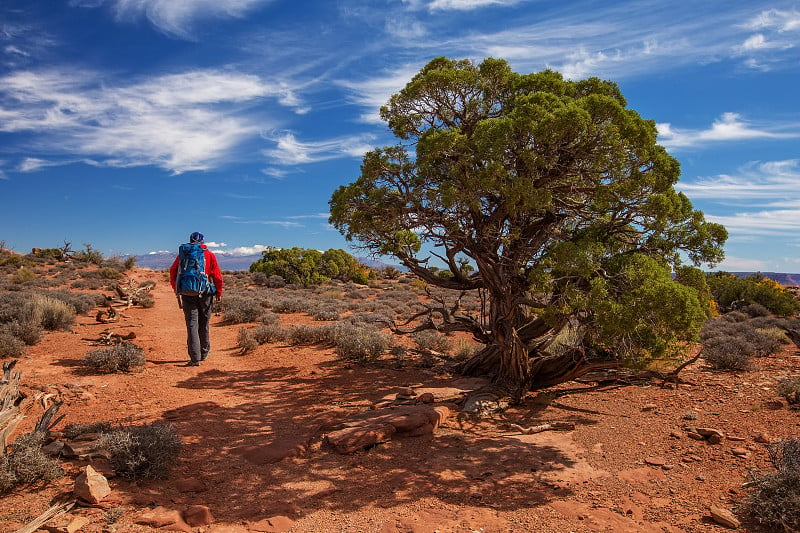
{"x":123,"y":357}
{"x":143,"y":452}
{"x":26,"y":463}
{"x":774,"y":500}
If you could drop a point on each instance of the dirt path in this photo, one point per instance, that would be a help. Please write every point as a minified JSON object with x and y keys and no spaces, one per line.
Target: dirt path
{"x":251,"y":426}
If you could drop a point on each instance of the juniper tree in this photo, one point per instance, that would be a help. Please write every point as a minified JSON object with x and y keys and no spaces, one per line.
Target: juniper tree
{"x":560,"y":197}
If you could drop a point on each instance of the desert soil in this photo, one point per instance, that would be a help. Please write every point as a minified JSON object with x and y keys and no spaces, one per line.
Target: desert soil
{"x":253,"y":426}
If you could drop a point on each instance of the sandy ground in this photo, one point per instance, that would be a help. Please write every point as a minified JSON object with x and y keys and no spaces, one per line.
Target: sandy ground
{"x":252,"y":428}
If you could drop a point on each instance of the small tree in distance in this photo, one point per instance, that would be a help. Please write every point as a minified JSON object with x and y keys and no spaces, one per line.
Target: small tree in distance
{"x":561,"y":198}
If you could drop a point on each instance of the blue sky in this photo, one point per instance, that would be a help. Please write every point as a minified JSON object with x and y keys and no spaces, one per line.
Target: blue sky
{"x":128,"y":124}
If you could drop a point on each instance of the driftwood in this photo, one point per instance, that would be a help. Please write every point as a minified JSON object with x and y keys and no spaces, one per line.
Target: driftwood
{"x":108,"y":338}
{"x":131,"y":292}
{"x":794,"y":336}
{"x":10,"y":403}
{"x":550,"y":426}
{"x":107,"y":316}
{"x":59,"y":507}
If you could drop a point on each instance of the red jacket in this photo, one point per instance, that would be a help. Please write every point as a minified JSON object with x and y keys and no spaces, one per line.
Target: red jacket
{"x":212,"y":270}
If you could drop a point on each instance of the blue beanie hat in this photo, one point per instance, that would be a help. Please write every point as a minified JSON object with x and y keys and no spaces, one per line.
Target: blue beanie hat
{"x":196,"y":237}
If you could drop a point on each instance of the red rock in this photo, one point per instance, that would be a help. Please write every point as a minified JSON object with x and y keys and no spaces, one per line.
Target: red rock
{"x":161,"y":517}
{"x":724,"y":517}
{"x":352,"y":439}
{"x":198,"y":515}
{"x":275,"y":524}
{"x":91,"y":486}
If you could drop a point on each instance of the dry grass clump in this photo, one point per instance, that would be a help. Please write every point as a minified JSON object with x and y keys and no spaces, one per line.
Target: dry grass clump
{"x":360,"y":343}
{"x":72,"y":431}
{"x":143,"y":452}
{"x":122,"y":357}
{"x":51,"y":313}
{"x":774,"y":500}
{"x":10,"y":345}
{"x":26,"y":463}
{"x":429,"y":340}
{"x":730,"y":341}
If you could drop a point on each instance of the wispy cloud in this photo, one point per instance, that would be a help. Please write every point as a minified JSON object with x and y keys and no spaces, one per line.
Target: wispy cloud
{"x":291,"y":151}
{"x":282,"y":223}
{"x":174,"y":17}
{"x":180,"y":122}
{"x":775,"y":182}
{"x":729,"y":127}
{"x":375,"y":92}
{"x":773,"y":39}
{"x":765,"y":196}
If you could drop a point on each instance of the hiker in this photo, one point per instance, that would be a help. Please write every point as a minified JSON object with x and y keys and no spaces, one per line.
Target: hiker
{"x":197,"y":280}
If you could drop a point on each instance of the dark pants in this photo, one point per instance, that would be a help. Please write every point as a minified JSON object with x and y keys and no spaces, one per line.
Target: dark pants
{"x":197,"y":311}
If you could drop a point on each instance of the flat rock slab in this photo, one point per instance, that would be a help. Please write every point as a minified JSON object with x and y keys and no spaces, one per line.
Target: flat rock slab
{"x":374,"y":427}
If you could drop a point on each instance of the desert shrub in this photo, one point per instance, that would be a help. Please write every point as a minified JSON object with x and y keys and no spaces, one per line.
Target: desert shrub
{"x":52,"y":314}
{"x":305,"y":334}
{"x":269,"y":333}
{"x":122,"y":357}
{"x":728,"y":353}
{"x":246,"y":341}
{"x":291,"y":305}
{"x":88,"y":255}
{"x":91,"y":284}
{"x":789,"y":388}
{"x":240,"y":310}
{"x":464,"y":348}
{"x":23,"y":275}
{"x":269,"y":318}
{"x":362,"y":344}
{"x":145,"y":300}
{"x":429,"y":340}
{"x":734,"y":316}
{"x":143,"y":452}
{"x":28,"y":332}
{"x":370,"y":318}
{"x":71,"y":431}
{"x":774,"y":500}
{"x":753,"y":310}
{"x":275,"y":282}
{"x":82,"y":302}
{"x":26,"y":463}
{"x":327,"y":313}
{"x":120,"y":264}
{"x":10,"y":345}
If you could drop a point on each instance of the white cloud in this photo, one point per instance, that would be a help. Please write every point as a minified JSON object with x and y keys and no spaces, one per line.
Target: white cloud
{"x":175,"y":17}
{"x":246,"y":250}
{"x":180,"y":122}
{"x":213,"y":244}
{"x":775,"y":182}
{"x":290,"y":151}
{"x":729,"y":127}
{"x":375,"y":92}
{"x":462,"y":5}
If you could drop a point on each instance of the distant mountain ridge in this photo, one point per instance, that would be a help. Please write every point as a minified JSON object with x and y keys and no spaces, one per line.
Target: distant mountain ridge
{"x":163,"y":260}
{"x":785,"y":279}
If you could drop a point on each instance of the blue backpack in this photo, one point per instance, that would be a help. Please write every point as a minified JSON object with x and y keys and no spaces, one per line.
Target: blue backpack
{"x":192,"y":279}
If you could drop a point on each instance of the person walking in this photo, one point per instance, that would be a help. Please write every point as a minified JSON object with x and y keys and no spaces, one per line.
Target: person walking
{"x":197,"y":280}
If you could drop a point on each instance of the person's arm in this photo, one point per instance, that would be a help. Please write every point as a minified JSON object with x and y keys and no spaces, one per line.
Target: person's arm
{"x":214,"y":272}
{"x":173,"y":273}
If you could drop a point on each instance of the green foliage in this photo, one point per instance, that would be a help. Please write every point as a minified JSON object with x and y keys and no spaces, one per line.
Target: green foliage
{"x":122,"y":357}
{"x":23,"y":275}
{"x":26,"y":463}
{"x":774,"y":500}
{"x":554,"y":190}
{"x":731,"y":291}
{"x":307,"y":267}
{"x":143,"y":452}
{"x":88,"y":255}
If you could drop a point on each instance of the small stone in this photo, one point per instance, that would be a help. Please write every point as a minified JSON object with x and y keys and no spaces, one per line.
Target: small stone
{"x":655,"y":461}
{"x":426,"y":397}
{"x":275,"y":524}
{"x":198,"y":515}
{"x":695,"y":436}
{"x":650,"y":407}
{"x":762,"y":438}
{"x":91,"y":486}
{"x":740,"y":452}
{"x":675,"y":434}
{"x":190,"y":485}
{"x":161,"y":517}
{"x":735,"y":438}
{"x":66,"y":524}
{"x":724,"y":517}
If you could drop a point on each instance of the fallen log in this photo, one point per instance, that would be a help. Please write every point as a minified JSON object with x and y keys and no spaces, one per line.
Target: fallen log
{"x":550,"y":426}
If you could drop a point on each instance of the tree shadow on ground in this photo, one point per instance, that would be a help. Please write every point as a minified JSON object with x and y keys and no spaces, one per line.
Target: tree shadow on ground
{"x":261,"y":451}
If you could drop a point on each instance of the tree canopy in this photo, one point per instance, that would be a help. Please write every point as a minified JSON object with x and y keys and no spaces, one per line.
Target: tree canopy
{"x":730,"y":291}
{"x":306,"y":267}
{"x":561,"y":198}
